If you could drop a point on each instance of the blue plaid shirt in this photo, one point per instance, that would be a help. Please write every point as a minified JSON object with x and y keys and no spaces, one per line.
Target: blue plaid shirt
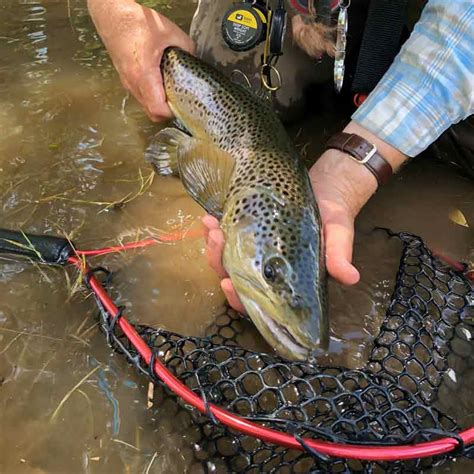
{"x":430,"y":85}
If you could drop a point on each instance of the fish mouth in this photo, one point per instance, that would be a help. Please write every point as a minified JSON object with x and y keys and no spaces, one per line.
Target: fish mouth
{"x":284,"y":342}
{"x":276,"y":335}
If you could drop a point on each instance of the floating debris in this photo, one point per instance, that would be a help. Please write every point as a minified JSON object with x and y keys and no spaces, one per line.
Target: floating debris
{"x":458,"y":218}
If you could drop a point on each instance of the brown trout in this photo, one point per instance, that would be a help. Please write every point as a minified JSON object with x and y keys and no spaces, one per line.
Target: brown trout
{"x":237,"y":161}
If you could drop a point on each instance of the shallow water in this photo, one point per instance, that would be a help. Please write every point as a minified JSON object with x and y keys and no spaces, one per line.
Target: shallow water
{"x":71,"y":162}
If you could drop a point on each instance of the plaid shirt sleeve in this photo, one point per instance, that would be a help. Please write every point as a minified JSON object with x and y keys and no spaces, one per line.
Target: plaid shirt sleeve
{"x":430,"y":85}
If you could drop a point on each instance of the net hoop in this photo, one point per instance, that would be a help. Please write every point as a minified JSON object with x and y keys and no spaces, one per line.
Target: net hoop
{"x":460,"y":442}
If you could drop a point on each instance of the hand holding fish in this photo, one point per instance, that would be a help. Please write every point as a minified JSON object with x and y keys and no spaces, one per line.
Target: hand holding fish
{"x":136,"y":37}
{"x":342,"y":188}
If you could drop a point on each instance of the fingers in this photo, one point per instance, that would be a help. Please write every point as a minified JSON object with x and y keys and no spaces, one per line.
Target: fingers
{"x":151,"y":86}
{"x":136,"y":37}
{"x":209,"y":223}
{"x":339,"y":240}
{"x":339,"y":202}
{"x":231,"y":295}
{"x":151,"y":95}
{"x":214,"y":251}
{"x":214,"y":244}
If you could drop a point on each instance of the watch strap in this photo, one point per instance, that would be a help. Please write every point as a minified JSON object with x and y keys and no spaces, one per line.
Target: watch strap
{"x":363,"y":152}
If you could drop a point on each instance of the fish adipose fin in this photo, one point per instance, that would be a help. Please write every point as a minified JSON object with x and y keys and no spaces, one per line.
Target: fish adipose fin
{"x":162,"y":151}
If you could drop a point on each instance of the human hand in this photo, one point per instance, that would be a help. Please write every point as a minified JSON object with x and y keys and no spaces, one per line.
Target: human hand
{"x":214,"y":249}
{"x":342,"y":187}
{"x":135,"y":38}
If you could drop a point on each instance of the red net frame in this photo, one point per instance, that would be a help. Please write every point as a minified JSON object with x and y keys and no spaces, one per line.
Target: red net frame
{"x":462,"y":441}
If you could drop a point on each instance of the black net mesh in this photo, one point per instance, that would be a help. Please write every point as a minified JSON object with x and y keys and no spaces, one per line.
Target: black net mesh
{"x":425,"y":338}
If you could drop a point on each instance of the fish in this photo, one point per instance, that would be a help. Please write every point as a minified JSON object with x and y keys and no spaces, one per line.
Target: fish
{"x":237,"y":161}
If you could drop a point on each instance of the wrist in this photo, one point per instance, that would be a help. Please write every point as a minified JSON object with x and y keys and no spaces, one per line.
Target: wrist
{"x":354,"y":183}
{"x":361,"y":161}
{"x":393,"y":156}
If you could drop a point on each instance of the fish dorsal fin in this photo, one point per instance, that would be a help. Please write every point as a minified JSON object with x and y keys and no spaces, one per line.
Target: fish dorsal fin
{"x":206,"y":172}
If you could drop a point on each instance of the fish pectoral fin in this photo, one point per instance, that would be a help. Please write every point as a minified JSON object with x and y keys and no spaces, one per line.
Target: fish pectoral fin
{"x":206,"y":172}
{"x":162,"y":152}
{"x":204,"y":169}
{"x":179,"y":124}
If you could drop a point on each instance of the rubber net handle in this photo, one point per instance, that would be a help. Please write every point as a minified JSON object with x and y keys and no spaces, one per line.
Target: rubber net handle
{"x":40,"y":248}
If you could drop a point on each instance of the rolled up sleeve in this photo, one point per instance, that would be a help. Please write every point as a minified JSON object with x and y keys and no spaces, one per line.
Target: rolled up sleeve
{"x":429,"y":87}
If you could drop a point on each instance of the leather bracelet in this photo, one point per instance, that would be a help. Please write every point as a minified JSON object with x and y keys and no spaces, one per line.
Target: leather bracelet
{"x":362,"y":152}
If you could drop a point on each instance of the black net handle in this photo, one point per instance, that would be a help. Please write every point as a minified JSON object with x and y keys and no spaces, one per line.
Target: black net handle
{"x":39,"y":248}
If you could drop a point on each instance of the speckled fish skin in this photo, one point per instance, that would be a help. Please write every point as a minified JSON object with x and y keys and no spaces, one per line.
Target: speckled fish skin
{"x":274,"y":250}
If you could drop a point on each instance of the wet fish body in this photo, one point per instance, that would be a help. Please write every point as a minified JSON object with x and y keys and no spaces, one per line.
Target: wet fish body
{"x":238,"y":162}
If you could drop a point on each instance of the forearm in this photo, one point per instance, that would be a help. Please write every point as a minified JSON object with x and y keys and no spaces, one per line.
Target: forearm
{"x":106,"y":13}
{"x":429,"y":87}
{"x":105,"y":8}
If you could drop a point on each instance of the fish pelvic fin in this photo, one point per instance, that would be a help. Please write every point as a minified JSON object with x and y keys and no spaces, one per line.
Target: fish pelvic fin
{"x":162,"y":152}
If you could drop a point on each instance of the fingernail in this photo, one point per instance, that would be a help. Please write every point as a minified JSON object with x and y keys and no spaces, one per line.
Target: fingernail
{"x":226,"y":285}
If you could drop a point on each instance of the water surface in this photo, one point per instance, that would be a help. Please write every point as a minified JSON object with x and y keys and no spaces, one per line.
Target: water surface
{"x":71,"y":163}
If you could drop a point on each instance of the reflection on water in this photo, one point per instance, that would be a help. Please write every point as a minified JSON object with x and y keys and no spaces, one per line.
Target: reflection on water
{"x":71,"y":162}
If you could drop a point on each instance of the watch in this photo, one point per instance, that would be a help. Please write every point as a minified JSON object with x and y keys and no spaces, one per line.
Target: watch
{"x":362,"y":152}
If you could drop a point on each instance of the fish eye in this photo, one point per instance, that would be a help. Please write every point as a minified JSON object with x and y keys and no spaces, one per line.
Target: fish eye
{"x":274,"y":269}
{"x":269,"y":272}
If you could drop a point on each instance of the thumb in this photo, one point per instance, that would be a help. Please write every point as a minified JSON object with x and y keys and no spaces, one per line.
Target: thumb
{"x":153,"y":96}
{"x":339,"y":238}
{"x":231,"y":295}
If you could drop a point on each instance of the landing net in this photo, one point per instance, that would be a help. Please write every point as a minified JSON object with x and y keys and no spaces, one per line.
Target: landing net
{"x":257,"y":412}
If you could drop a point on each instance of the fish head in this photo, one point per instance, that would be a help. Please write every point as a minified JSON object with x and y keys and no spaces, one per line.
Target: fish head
{"x":274,"y":259}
